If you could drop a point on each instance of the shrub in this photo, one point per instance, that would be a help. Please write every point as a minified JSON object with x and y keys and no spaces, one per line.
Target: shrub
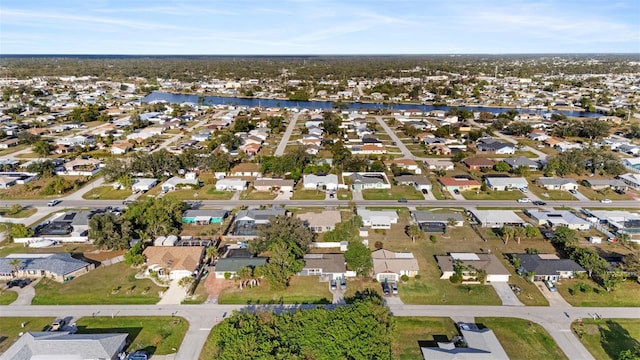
{"x":404,"y":278}
{"x":433,"y":239}
{"x":378,"y":245}
{"x":227,"y":275}
{"x":455,"y":278}
{"x":417,"y":277}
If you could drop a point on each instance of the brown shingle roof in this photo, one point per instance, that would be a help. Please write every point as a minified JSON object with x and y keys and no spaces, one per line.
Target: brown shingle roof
{"x":174,"y":258}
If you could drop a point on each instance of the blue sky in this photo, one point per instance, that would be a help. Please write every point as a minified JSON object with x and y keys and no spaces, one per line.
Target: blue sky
{"x":318,"y":27}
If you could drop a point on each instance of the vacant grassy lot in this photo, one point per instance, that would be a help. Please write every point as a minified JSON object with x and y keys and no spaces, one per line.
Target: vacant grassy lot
{"x":395,"y":193}
{"x":308,"y":195}
{"x":11,"y":327}
{"x":23,"y":213}
{"x":545,"y":194}
{"x":523,"y":339}
{"x":106,"y":193}
{"x":115,"y":284}
{"x":493,"y":195}
{"x":599,"y":195}
{"x":344,"y":194}
{"x":12,"y":248}
{"x":605,"y":339}
{"x":302,"y":290}
{"x":7,"y":297}
{"x":412,"y":331}
{"x":258,"y":195}
{"x":33,"y":189}
{"x":158,"y":335}
{"x":625,"y":294}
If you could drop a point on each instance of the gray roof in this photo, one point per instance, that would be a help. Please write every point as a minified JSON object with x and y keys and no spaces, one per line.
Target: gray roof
{"x":607,"y":182}
{"x":547,"y":266}
{"x":556,"y":181}
{"x":216,"y":213}
{"x":59,"y":263}
{"x":520,"y":161}
{"x":506,"y":181}
{"x":234,"y":264}
{"x":424,"y":216}
{"x":556,"y":217}
{"x":357,"y":178}
{"x":420,"y":180}
{"x":329,"y":263}
{"x":262,"y":214}
{"x":63,"y":344}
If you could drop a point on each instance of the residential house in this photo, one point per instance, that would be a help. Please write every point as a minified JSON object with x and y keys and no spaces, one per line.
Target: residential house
{"x":203,"y":135}
{"x":405,"y":164}
{"x":479,"y":344}
{"x":378,"y":219}
{"x":247,"y":221}
{"x":555,"y":218}
{"x":367,"y":180}
{"x":246,"y":169}
{"x":229,"y":266}
{"x":9,"y":143}
{"x":519,"y":161}
{"x":497,"y":147}
{"x":327,"y":266}
{"x":175,"y":182}
{"x":230,"y":184}
{"x":460,"y":184}
{"x":269,"y":184}
{"x":252,"y":149}
{"x":565,"y":184}
{"x":66,"y":345}
{"x":632,"y":180}
{"x":430,"y":221}
{"x":173,"y":262}
{"x":419,"y":182}
{"x":632,"y":163}
{"x":389,"y":266}
{"x":548,"y":267}
{"x":204,"y":217}
{"x":472,"y":263}
{"x":497,"y":218}
{"x":368,"y":149}
{"x":319,"y":182}
{"x":321,"y":222}
{"x":538,"y":135}
{"x":7,"y":181}
{"x":601,"y":184}
{"x":143,"y":184}
{"x":438,"y":164}
{"x":79,"y":167}
{"x":478,"y":163}
{"x":120,"y":147}
{"x":439,"y":149}
{"x":59,"y":267}
{"x":506,"y":183}
{"x":622,"y":221}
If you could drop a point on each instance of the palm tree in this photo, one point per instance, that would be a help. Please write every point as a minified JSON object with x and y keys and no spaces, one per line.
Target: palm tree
{"x":16,"y":264}
{"x":519,"y":232}
{"x":244,"y":274}
{"x":414,"y":232}
{"x":211,"y":252}
{"x":508,"y":232}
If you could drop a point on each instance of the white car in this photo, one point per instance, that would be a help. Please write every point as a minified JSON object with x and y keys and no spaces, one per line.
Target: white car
{"x":524,"y":200}
{"x":54,"y":202}
{"x":605,"y":201}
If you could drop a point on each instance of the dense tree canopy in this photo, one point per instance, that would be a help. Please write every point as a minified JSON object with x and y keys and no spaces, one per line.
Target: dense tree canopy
{"x":108,"y":231}
{"x":363,"y":330}
{"x":156,"y":216}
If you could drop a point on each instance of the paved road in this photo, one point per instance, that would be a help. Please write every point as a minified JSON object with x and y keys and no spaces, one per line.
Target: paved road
{"x":394,"y":137}
{"x":556,"y":320}
{"x":287,"y":134}
{"x":541,"y":156}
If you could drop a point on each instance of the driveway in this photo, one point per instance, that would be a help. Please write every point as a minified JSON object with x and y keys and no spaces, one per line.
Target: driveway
{"x":554,"y":297}
{"x":506,"y":294}
{"x":393,"y":300}
{"x":25,"y":295}
{"x":174,"y":294}
{"x":581,"y":197}
{"x":215,"y":286}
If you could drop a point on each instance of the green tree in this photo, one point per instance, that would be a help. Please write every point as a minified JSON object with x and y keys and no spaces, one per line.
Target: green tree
{"x":288,"y":230}
{"x":16,"y":265}
{"x":134,"y":257}
{"x":414,"y":232}
{"x":110,"y":232}
{"x":358,"y":258}
{"x":41,"y":147}
{"x":501,"y":166}
{"x":20,"y":231}
{"x":282,"y":265}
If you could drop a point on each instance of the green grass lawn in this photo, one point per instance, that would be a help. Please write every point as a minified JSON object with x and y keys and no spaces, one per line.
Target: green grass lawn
{"x":599,"y":195}
{"x":606,"y":338}
{"x":302,"y":290}
{"x":308,"y":195}
{"x":106,"y":193}
{"x":436,"y":190}
{"x":23,"y":213}
{"x":98,"y":287}
{"x":258,"y":195}
{"x":410,"y":330}
{"x":344,"y":194}
{"x":493,"y":195}
{"x":395,"y":193}
{"x":523,"y":339}
{"x":626,"y":294}
{"x":11,"y":327}
{"x":7,"y":297}
{"x":158,"y":335}
{"x":545,"y":194}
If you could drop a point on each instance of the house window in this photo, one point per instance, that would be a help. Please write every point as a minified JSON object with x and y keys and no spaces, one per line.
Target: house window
{"x":32,"y":272}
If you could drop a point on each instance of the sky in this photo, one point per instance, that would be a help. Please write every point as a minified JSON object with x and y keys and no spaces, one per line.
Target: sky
{"x":291,"y":27}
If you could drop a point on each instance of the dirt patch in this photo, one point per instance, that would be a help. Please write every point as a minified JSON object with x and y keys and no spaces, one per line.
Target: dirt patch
{"x":591,"y":329}
{"x":101,"y":256}
{"x":215,"y":286}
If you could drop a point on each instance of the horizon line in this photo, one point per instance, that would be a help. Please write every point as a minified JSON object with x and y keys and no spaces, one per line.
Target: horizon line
{"x":336,"y":54}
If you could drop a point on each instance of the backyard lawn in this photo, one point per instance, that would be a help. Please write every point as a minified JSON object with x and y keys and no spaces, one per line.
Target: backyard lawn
{"x":115,"y":284}
{"x":158,"y":335}
{"x":493,"y":195}
{"x":588,"y":293}
{"x":395,"y":193}
{"x":523,"y":339}
{"x":302,"y":290}
{"x":11,"y":327}
{"x":106,"y":193}
{"x":412,"y":331}
{"x":606,"y":338}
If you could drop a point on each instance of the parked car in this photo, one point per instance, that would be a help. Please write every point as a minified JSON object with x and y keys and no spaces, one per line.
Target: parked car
{"x":605,"y":201}
{"x":524,"y":200}
{"x":573,"y":191}
{"x":333,"y":285}
{"x":138,"y":355}
{"x":402,"y":200}
{"x":386,"y":289}
{"x":550,"y":286}
{"x":343,"y":284}
{"x":539,"y":203}
{"x":54,"y":202}
{"x":394,"y":288}
{"x":424,"y":191}
{"x":57,"y":325}
{"x":127,"y":202}
{"x":456,"y":191}
{"x":619,"y":191}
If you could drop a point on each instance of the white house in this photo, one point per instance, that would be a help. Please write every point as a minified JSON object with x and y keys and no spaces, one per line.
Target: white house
{"x":172,"y":183}
{"x":315,"y":182}
{"x":230,"y":184}
{"x":390,"y":266}
{"x":378,"y":219}
{"x":472,"y":263}
{"x":143,"y":184}
{"x":506,"y":183}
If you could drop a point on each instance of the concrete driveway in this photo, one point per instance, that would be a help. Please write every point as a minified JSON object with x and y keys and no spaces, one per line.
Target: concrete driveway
{"x":554,"y":297}
{"x":506,"y":294}
{"x":174,"y":294}
{"x":25,"y":295}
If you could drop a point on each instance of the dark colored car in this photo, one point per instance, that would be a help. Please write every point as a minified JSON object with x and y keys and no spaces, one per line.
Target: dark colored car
{"x":456,"y":191}
{"x":138,"y":355}
{"x":333,"y":285}
{"x":539,"y":203}
{"x":386,"y":289}
{"x":402,"y":200}
{"x":424,"y":191}
{"x":343,"y":284}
